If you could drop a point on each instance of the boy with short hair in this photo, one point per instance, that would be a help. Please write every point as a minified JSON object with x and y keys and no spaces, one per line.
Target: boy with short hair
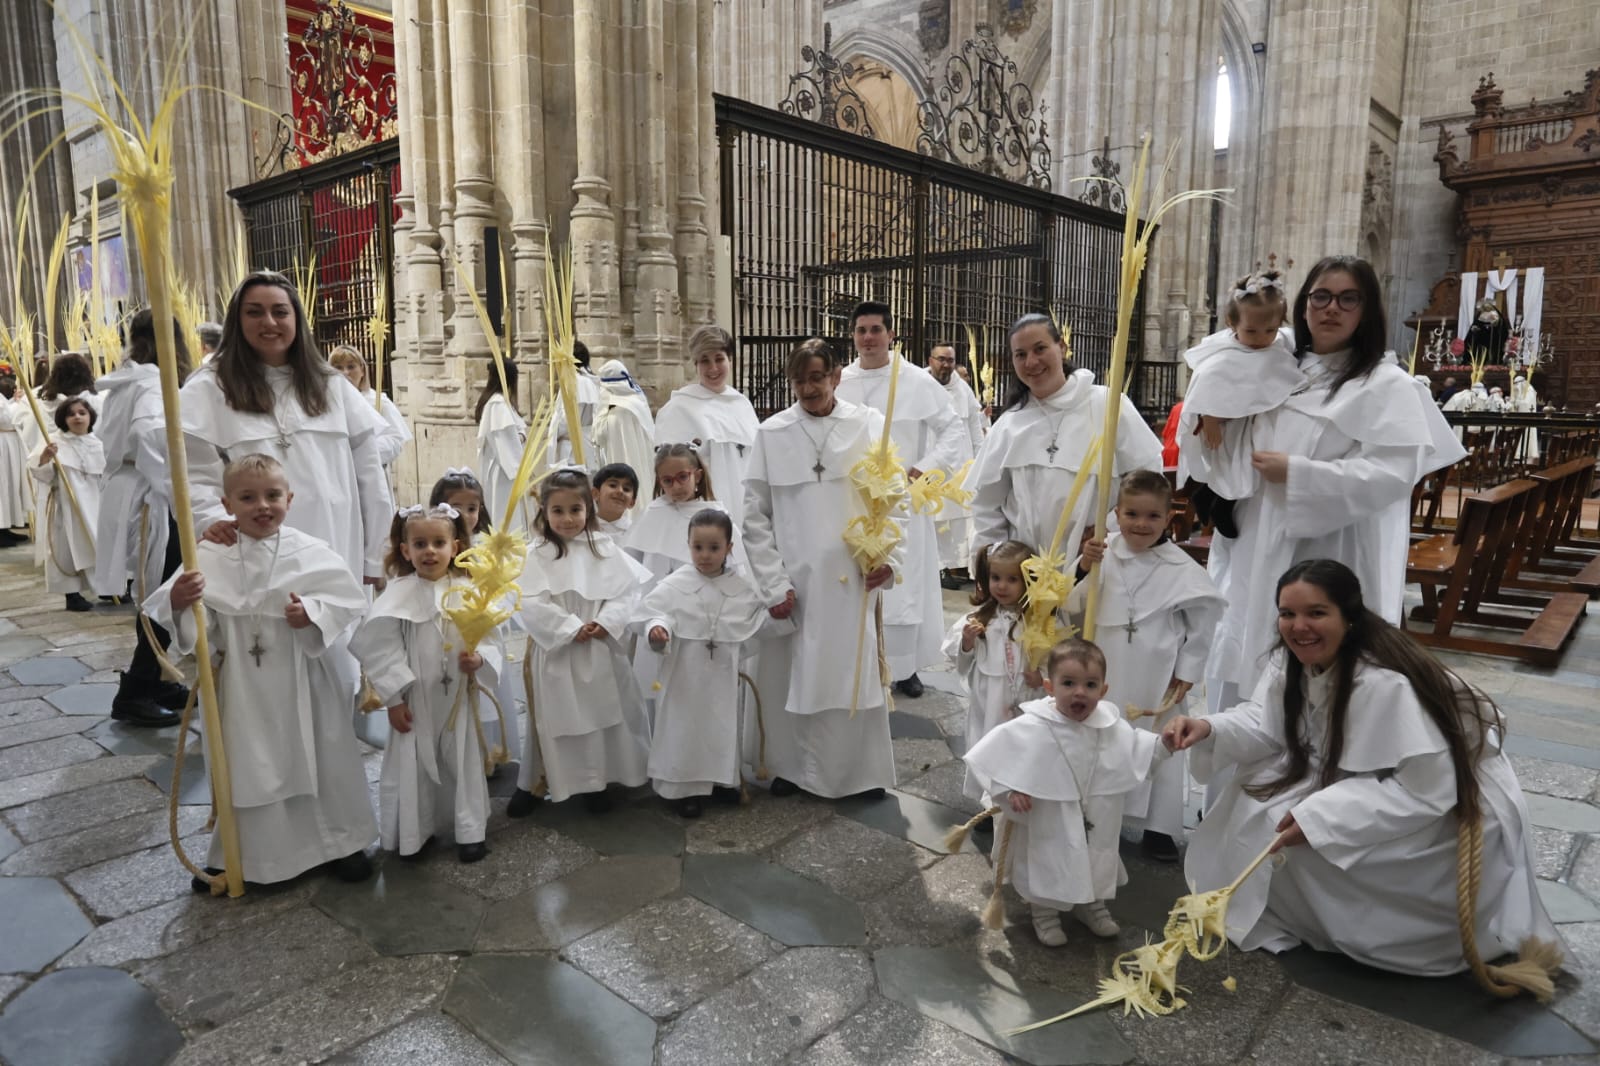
{"x":616,"y":487}
{"x":276,"y":600}
{"x":1059,"y":773}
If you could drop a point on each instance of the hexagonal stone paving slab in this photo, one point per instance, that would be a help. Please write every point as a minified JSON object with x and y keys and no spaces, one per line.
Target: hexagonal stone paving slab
{"x":907,"y":817}
{"x":787,"y":907}
{"x":1454,"y":1006}
{"x":904,"y":726}
{"x":1553,"y":812}
{"x":120,"y":738}
{"x":15,"y":648}
{"x":1565,"y":904}
{"x":38,"y":921}
{"x":426,"y":1040}
{"x":535,"y":1009}
{"x":630,"y":829}
{"x":556,"y":914}
{"x":86,"y":1017}
{"x":43,"y":671}
{"x":950,"y":986}
{"x":195,"y":786}
{"x":83,"y":699}
{"x":404,"y":910}
{"x":887,"y":1034}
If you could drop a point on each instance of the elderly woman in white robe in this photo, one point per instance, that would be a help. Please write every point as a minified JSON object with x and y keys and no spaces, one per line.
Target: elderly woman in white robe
{"x":1363,"y":758}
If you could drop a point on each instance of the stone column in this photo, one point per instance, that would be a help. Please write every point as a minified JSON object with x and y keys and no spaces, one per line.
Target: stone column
{"x":474,"y":178}
{"x":657,"y":311}
{"x":594,"y":244}
{"x":695,"y":133}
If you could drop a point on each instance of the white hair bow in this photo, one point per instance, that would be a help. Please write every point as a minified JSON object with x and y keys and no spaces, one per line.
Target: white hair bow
{"x":441,"y":510}
{"x":460,"y":471}
{"x":1257,"y":284}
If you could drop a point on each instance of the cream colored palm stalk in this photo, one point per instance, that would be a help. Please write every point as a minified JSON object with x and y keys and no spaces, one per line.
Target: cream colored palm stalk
{"x":880,"y":481}
{"x":304,"y":276}
{"x":378,"y":329}
{"x":142,"y":152}
{"x":1135,"y":251}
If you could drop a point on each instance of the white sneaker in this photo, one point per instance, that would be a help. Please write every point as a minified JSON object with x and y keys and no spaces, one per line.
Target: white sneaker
{"x":1097,"y":918}
{"x":1047,"y":927}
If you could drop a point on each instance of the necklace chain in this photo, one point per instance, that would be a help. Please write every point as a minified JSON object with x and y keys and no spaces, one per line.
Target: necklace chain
{"x":256,"y":647}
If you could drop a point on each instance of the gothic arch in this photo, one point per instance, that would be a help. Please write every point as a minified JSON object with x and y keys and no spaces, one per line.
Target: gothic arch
{"x":862,"y":44}
{"x":1034,"y":66}
{"x":1237,"y":229}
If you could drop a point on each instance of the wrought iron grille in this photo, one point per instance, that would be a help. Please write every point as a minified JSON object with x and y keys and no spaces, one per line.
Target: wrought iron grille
{"x":820,"y":221}
{"x":340,"y":215}
{"x":984,"y":117}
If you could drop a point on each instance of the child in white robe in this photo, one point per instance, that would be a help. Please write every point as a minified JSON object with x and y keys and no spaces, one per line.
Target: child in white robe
{"x":276,"y":601}
{"x":986,"y":647}
{"x":1236,"y":374}
{"x":67,"y":516}
{"x":700,"y":616}
{"x":616,"y":488}
{"x":1157,"y":613}
{"x":1059,"y":773}
{"x":16,"y":493}
{"x":587,"y":724}
{"x":433,"y":767}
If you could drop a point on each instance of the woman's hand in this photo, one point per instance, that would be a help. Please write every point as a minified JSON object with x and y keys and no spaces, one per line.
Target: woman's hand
{"x":1290,"y":834}
{"x":1210,"y":430}
{"x":785,"y":609}
{"x":880,"y":577}
{"x":1183,"y":733}
{"x":658,"y":637}
{"x":187,"y":590}
{"x":970,"y":634}
{"x":1021,"y":802}
{"x":295,"y":614}
{"x":1094,"y":552}
{"x":590,"y":631}
{"x":400,"y":717}
{"x":225,"y":533}
{"x":470,"y":662}
{"x":1272,"y":466}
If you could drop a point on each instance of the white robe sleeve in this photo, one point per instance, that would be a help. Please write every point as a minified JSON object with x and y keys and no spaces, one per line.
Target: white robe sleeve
{"x":328,"y":622}
{"x":180,"y":624}
{"x":947,"y":440}
{"x":615,"y":614}
{"x":505,"y":446}
{"x":952,"y":647}
{"x":1199,"y":622}
{"x":372,"y":486}
{"x":993,"y":488}
{"x":549,"y":624}
{"x":1344,"y":821}
{"x":395,"y":435}
{"x":492,"y":650}
{"x":1237,"y":736}
{"x":1328,"y":494}
{"x":205,"y":483}
{"x":150,"y":457}
{"x":761,"y":543}
{"x":1138,"y":448}
{"x":379,"y":645}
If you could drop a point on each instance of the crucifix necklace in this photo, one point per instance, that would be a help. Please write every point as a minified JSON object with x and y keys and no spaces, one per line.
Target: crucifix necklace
{"x":1055,"y":432}
{"x":712,"y":620}
{"x":1082,"y":789}
{"x":820,"y":468}
{"x":256,"y":648}
{"x":1129,"y":590}
{"x":282,"y":440}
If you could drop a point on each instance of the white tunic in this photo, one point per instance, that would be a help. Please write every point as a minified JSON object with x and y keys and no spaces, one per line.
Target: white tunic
{"x":136,"y":491}
{"x":724,"y":424}
{"x":16,"y":493}
{"x":1234,"y":382}
{"x":32,"y":442}
{"x":501,"y":435}
{"x":1377,"y":878}
{"x":341,"y":494}
{"x":1021,"y":486}
{"x":433,"y":777}
{"x":561,"y":451}
{"x":1158,"y":612}
{"x":585,"y":717}
{"x":993,"y":671}
{"x":299,"y":792}
{"x":953,"y":523}
{"x":695,"y":743}
{"x":70,"y":556}
{"x":929,"y":437}
{"x":624,"y":431}
{"x":794,"y":523}
{"x":395,"y":434}
{"x":1353,"y":460}
{"x":1064,"y":851}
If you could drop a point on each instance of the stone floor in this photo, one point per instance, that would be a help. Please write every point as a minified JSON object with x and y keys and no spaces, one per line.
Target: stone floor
{"x":786,"y":931}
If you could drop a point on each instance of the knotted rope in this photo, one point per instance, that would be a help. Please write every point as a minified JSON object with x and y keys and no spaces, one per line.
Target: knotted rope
{"x":1537,"y":962}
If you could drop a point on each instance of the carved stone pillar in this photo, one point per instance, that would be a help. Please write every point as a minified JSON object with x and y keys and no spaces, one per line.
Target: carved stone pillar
{"x":595,"y":279}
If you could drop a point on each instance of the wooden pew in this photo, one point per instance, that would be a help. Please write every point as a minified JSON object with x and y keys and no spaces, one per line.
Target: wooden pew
{"x":1553,"y":560}
{"x":1460,"y":575}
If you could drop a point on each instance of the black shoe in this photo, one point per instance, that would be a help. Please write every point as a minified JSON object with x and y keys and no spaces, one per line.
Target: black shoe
{"x":689,"y":807}
{"x":142,"y":711}
{"x":76,"y":602}
{"x":871,"y":795}
{"x":911,"y":688}
{"x":597,"y":802}
{"x":782,"y":786}
{"x":472,"y":852}
{"x":200,"y":884}
{"x":9,"y":539}
{"x":948,"y":579}
{"x":726,"y":794}
{"x":1222,"y":519}
{"x":1203,"y":500}
{"x":1159,"y":846}
{"x":351,"y":868}
{"x":170,"y":695}
{"x":522,"y":804}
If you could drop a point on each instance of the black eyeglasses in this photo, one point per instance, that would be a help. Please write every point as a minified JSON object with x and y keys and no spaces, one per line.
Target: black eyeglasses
{"x":1348,"y":300}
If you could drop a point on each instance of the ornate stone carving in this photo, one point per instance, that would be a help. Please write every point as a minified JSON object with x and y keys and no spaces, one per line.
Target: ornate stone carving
{"x":1377,"y":194}
{"x":1013,"y":16}
{"x":933,"y":26}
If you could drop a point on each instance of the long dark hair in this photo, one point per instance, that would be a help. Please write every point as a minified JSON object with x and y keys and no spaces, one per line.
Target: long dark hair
{"x":1461,"y":712}
{"x":396,"y":564}
{"x":1020,"y":393}
{"x":1371,"y":338}
{"x":241,"y":373}
{"x":491,"y":388}
{"x":1011,"y":551}
{"x":70,"y":375}
{"x":461,"y":481}
{"x":567,"y":481}
{"x":142,"y":343}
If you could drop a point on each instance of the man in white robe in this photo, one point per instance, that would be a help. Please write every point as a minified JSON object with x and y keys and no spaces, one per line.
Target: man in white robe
{"x":929,"y":437}
{"x":824,"y":724}
{"x":954,"y":522}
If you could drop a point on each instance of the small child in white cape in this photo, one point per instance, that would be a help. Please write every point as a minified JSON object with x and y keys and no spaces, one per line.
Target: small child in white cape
{"x":1059,"y":773}
{"x":1245,"y":370}
{"x":616,"y":490}
{"x":433,"y":767}
{"x":1158,"y":612}
{"x":68,"y":521}
{"x":276,"y":600}
{"x":700,"y":617}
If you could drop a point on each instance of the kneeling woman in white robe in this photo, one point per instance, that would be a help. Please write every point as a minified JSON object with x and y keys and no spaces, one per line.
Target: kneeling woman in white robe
{"x":275,"y":604}
{"x":587,"y":724}
{"x":70,"y":512}
{"x":699,"y":616}
{"x":1367,"y":758}
{"x":413,"y":654}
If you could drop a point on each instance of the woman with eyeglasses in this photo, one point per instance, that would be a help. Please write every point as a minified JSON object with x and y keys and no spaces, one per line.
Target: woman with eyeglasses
{"x":1337,"y":462}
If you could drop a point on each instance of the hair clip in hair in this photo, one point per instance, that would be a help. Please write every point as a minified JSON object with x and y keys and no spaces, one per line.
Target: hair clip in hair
{"x":1258,"y":283}
{"x":417,"y":510}
{"x":460,"y":471}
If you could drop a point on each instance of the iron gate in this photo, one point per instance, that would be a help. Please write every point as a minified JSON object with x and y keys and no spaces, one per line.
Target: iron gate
{"x":338,"y":215}
{"x":820,"y":220}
